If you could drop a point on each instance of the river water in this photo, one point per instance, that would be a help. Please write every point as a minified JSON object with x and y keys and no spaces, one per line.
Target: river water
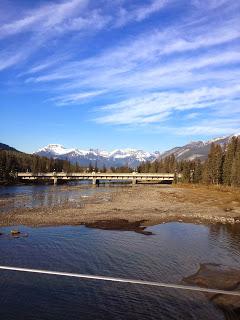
{"x":174,"y":251}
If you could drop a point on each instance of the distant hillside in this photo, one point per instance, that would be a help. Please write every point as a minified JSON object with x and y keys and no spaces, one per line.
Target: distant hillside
{"x":7,"y":147}
{"x":12,"y":161}
{"x":196,"y":149}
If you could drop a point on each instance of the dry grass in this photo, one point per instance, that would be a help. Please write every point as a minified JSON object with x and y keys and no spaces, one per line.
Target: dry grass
{"x":224,"y":197}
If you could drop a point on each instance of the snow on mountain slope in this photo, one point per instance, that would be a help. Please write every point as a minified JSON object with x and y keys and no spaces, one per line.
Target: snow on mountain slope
{"x":55,"y":149}
{"x":118,"y":157}
{"x":197,"y":150}
{"x":130,"y":157}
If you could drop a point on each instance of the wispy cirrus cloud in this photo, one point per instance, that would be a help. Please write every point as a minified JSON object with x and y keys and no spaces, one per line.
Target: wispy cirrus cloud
{"x":157,"y":106}
{"x":158,"y":52}
{"x":7,"y":60}
{"x":94,"y":52}
{"x":75,"y":15}
{"x":210,"y":127}
{"x":76,"y":97}
{"x":139,"y":13}
{"x":81,"y":17}
{"x":43,"y":18}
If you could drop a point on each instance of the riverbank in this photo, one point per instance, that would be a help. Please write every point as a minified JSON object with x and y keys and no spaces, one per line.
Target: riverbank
{"x":151,"y":204}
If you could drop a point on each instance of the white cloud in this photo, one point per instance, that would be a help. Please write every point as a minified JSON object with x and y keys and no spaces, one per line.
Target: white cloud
{"x":76,"y":97}
{"x":211,"y":4}
{"x":57,"y":18}
{"x":124,"y":78}
{"x":145,"y":57}
{"x":74,"y":15}
{"x":192,"y":115}
{"x":43,"y":18}
{"x":145,"y":11}
{"x":8,"y":60}
{"x":177,"y":67}
{"x":154,"y":62}
{"x":139,"y":13}
{"x":209,"y":127}
{"x":156,"y":106}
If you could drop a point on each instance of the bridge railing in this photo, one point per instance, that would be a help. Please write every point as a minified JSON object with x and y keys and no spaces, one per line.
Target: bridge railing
{"x":98,"y":174}
{"x":96,"y":177}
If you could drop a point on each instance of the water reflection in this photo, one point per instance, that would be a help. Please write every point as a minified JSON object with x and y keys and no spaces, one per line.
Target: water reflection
{"x":223,"y":233}
{"x":48,"y":196}
{"x":173,"y":252}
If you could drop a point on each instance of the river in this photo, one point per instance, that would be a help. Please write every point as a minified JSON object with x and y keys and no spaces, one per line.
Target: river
{"x":174,"y":251}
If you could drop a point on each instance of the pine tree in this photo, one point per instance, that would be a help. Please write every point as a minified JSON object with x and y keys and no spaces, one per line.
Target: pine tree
{"x":235,"y":174}
{"x":96,"y":166}
{"x":213,"y":169}
{"x":198,"y":171}
{"x":12,"y":162}
{"x":90,"y":167}
{"x":228,"y":161}
{"x":154,"y":167}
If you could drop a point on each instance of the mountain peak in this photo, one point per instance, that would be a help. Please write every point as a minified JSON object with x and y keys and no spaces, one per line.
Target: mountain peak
{"x":118,"y":157}
{"x":55,"y":149}
{"x":197,"y":149}
{"x":130,"y":156}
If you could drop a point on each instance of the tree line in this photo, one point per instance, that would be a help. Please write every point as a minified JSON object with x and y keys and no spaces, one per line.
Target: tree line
{"x":14,"y":161}
{"x":221,"y":167}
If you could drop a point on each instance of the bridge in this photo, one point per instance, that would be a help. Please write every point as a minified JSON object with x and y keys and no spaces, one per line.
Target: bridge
{"x":97,"y":177}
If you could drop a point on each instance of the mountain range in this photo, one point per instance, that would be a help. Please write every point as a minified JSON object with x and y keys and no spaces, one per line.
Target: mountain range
{"x":130,"y":157}
{"x":115,"y":158}
{"x":197,"y":149}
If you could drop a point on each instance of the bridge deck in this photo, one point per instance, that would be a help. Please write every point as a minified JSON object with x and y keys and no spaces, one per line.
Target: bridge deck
{"x":97,"y":176}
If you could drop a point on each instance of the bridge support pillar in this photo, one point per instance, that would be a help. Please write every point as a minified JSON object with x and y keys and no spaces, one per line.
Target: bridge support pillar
{"x":95,"y":182}
{"x":134,"y":181}
{"x":55,"y":181}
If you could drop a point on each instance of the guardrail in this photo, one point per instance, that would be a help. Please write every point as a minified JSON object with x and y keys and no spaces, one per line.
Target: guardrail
{"x":97,"y":176}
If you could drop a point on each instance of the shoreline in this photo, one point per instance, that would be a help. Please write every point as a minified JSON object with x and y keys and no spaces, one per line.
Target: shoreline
{"x":151,"y":204}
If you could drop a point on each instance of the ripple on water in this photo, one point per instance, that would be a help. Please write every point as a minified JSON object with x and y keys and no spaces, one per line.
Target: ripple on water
{"x":34,"y":196}
{"x":173,"y":252}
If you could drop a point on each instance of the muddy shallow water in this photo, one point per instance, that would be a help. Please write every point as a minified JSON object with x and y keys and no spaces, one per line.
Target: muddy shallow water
{"x":173,"y":252}
{"x":45,"y":196}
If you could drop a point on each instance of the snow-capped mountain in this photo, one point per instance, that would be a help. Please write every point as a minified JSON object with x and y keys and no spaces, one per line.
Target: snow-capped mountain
{"x":116,"y":158}
{"x":198,"y":149}
{"x":130,"y":157}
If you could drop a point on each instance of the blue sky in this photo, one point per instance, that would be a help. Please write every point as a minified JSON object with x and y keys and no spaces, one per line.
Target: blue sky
{"x":109,"y":74}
